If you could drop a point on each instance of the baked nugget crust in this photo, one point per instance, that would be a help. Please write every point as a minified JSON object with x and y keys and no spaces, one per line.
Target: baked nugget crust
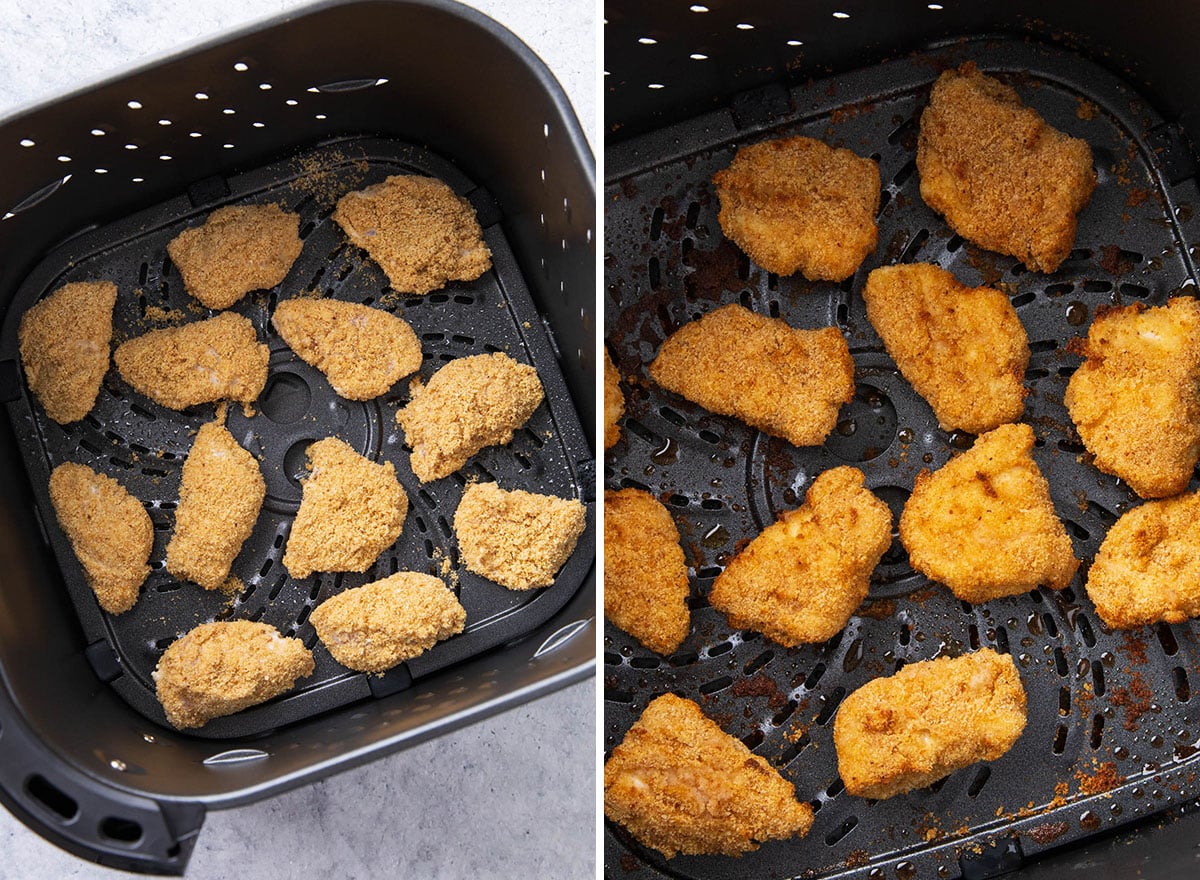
{"x":680,"y":784}
{"x":1148,"y":568}
{"x":800,"y":580}
{"x":908,"y":730}
{"x":962,"y":348}
{"x":1136,"y":399}
{"x":614,"y":402}
{"x":786,"y":382}
{"x":798,"y":205}
{"x":984,"y":524}
{"x":645,"y":575}
{"x":1000,"y":175}
{"x":64,"y":342}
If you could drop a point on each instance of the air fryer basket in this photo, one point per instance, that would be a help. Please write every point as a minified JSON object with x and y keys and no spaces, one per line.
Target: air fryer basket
{"x":100,"y":177}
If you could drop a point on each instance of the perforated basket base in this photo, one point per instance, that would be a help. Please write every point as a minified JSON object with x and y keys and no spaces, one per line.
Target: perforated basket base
{"x":1113,"y":725}
{"x":143,"y":445}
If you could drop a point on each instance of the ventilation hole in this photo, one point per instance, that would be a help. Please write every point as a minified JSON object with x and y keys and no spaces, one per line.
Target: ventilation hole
{"x":837,"y":834}
{"x":1166,"y":638}
{"x":1032,"y":375}
{"x":462,"y":340}
{"x":1098,"y":678}
{"x":1064,"y":701}
{"x":1043,"y":345}
{"x":444,"y":526}
{"x":1060,"y":740}
{"x":780,"y":717}
{"x":653,"y":272}
{"x":1183,"y":690}
{"x":677,"y":501}
{"x":709,"y":437}
{"x":905,"y":634}
{"x":906,"y":171}
{"x":773,"y":309}
{"x":973,"y":636}
{"x":935,"y":787}
{"x":1002,"y":640}
{"x":52,"y":797}
{"x":1023,"y":300}
{"x":277,"y":587}
{"x":743,"y":266}
{"x":673,"y":417}
{"x":1085,"y":632}
{"x":693,"y":215}
{"x":831,"y":704}
{"x":722,"y":648}
{"x":1061,"y":289}
{"x":656,"y":224}
{"x":1051,"y":626}
{"x":902,"y":131}
{"x":645,"y":663}
{"x":716,"y":685}
{"x":1134,"y":290}
{"x":712,"y":504}
{"x":754,"y":739}
{"x":709,"y":571}
{"x":613,"y":695}
{"x":683,"y":658}
{"x":121,"y":830}
{"x":611,"y":659}
{"x":914,"y":246}
{"x":1077,"y":530}
{"x":1097,"y":730}
{"x":1060,"y":662}
{"x":630,"y":483}
{"x":981,"y":777}
{"x":814,"y":676}
{"x":791,"y":752}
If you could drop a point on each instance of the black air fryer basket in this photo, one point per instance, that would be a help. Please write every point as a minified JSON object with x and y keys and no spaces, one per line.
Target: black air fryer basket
{"x":96,"y":183}
{"x":1113,"y":729}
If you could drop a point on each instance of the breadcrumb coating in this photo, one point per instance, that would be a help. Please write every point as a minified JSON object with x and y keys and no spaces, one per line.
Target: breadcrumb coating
{"x":905,"y":731}
{"x":373,"y":627}
{"x":799,"y":581}
{"x":962,"y":348}
{"x":786,"y":382}
{"x":109,"y":530}
{"x":1000,"y":175}
{"x":680,"y":784}
{"x":798,"y":205}
{"x":614,"y":402}
{"x":1135,"y":400}
{"x":517,"y":539}
{"x":64,"y":341}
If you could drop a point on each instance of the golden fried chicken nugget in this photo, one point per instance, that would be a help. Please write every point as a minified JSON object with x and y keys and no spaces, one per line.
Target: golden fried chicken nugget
{"x":351,"y":510}
{"x":1135,"y":400}
{"x":962,"y":348}
{"x":799,"y":581}
{"x":373,"y":627}
{"x":680,"y":784}
{"x":220,"y":495}
{"x":470,"y":403}
{"x":645,"y":575}
{"x":1148,"y":568}
{"x":216,"y":359}
{"x":614,"y":402}
{"x":905,"y":731}
{"x":786,"y":382}
{"x":1000,"y":175}
{"x":238,"y":249}
{"x":798,"y":205}
{"x":517,"y":539}
{"x":984,"y":524}
{"x":64,"y":342}
{"x":361,"y":350}
{"x":417,"y":230}
{"x":224,"y":667}
{"x":109,"y":530}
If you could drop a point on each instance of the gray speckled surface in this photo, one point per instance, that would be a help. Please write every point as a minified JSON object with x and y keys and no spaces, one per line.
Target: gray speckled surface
{"x":512,"y":796}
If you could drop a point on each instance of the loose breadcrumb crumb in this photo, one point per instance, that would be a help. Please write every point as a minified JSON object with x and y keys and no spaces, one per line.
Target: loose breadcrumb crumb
{"x":614,"y":402}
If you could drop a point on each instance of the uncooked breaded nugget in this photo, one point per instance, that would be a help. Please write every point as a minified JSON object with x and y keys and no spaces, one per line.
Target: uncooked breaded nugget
{"x":109,"y":530}
{"x":680,"y":784}
{"x":645,"y":575}
{"x":362,"y":351}
{"x":224,"y":667}
{"x":351,"y":510}
{"x":417,"y":230}
{"x":908,"y":730}
{"x":1136,"y":399}
{"x":216,"y":359}
{"x":238,"y":249}
{"x":517,"y":539}
{"x":786,"y":382}
{"x":373,"y":627}
{"x":1000,"y":175}
{"x":468,"y":404}
{"x":962,"y":348}
{"x":799,"y":581}
{"x":984,"y":524}
{"x":614,"y":402}
{"x":64,"y":342}
{"x":1148,"y":568}
{"x":220,"y":494}
{"x":798,"y":205}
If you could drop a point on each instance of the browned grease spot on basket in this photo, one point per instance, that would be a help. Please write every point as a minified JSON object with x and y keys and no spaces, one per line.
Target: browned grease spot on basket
{"x":760,"y":686}
{"x":1135,"y":700}
{"x":1133,"y":647}
{"x":629,"y":863}
{"x":881,"y":609}
{"x":857,"y":858}
{"x":1048,"y":832}
{"x":1112,"y":262}
{"x":1106,"y":778}
{"x":1136,"y":196}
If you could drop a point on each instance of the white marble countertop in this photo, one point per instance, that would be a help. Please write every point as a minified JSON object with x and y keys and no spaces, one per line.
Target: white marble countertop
{"x":511,"y":796}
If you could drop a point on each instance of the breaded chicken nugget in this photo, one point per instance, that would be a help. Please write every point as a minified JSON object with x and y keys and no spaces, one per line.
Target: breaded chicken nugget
{"x":216,"y":359}
{"x":798,"y":205}
{"x":786,"y":382}
{"x":224,"y":667}
{"x":908,"y":730}
{"x":362,"y":351}
{"x":680,"y":784}
{"x":984,"y":524}
{"x":373,"y":627}
{"x":1136,"y":399}
{"x":64,"y":343}
{"x":517,"y":539}
{"x":470,"y":403}
{"x":417,"y":230}
{"x":351,"y":510}
{"x":1148,"y":568}
{"x":1000,"y":175}
{"x":645,"y":575}
{"x":963,"y":348}
{"x":109,"y":530}
{"x":238,"y":249}
{"x":614,"y":402}
{"x":220,"y":495}
{"x":799,"y":581}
